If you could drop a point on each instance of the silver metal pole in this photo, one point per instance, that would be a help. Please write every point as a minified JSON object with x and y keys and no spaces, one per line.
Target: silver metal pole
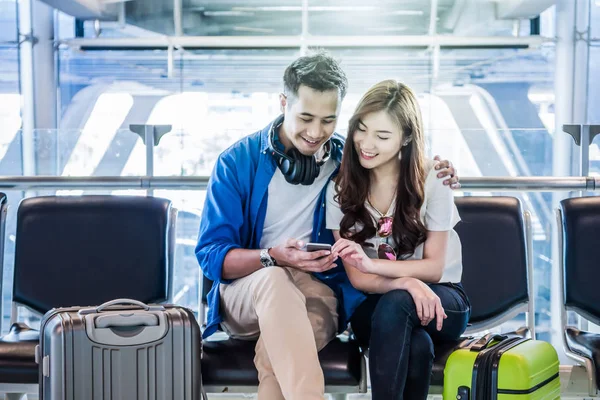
{"x":178,"y":17}
{"x":435,"y":50}
{"x":495,"y":184}
{"x":554,"y":183}
{"x":584,"y":154}
{"x":151,"y":136}
{"x":44,"y":73}
{"x":27,"y":85}
{"x":562,"y":147}
{"x":170,"y":62}
{"x":72,"y":183}
{"x":149,"y":140}
{"x":530,"y":280}
{"x":581,"y":73}
{"x":311,"y":41}
{"x":3,"y":216}
{"x":304,"y":34}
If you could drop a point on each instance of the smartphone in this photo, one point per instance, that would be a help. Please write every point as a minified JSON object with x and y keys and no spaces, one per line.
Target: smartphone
{"x":317,"y":246}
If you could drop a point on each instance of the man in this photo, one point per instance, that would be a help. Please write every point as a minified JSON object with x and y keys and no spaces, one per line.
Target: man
{"x":265,"y":201}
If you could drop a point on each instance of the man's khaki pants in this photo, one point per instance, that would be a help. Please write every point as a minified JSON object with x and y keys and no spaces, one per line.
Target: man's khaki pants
{"x":293,"y":315}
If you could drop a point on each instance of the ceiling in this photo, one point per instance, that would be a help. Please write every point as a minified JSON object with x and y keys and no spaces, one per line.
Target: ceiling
{"x":325,"y":17}
{"x":260,"y":69}
{"x":284,"y":17}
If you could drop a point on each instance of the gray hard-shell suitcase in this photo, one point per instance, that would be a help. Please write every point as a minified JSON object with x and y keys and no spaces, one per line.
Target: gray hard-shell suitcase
{"x":121,"y":350}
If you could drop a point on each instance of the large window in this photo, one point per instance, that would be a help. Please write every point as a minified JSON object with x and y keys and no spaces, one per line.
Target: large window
{"x":10,"y":113}
{"x":213,"y":98}
{"x":593,"y":92}
{"x":593,"y":101}
{"x":10,"y":123}
{"x":489,"y":110}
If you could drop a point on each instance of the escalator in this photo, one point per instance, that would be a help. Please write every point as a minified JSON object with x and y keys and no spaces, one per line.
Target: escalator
{"x":506,"y":138}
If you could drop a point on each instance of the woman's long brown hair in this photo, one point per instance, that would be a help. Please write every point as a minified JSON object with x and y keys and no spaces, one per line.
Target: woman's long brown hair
{"x":353,"y":180}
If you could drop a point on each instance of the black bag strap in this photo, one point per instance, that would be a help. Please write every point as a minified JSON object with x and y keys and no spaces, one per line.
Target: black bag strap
{"x":495,"y":362}
{"x":481,"y":382}
{"x":480,"y":370}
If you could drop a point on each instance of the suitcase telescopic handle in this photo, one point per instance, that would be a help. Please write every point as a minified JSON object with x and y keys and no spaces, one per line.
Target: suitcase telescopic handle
{"x":121,"y":302}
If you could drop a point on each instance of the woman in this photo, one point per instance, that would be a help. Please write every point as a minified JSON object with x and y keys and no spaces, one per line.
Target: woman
{"x":393,"y":222}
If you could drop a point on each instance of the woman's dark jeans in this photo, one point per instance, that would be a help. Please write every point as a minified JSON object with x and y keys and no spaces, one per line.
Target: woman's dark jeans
{"x":400,"y":348}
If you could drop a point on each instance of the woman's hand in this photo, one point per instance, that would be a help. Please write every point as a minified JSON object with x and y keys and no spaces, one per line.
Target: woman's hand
{"x":352,"y":254}
{"x":428,"y":304}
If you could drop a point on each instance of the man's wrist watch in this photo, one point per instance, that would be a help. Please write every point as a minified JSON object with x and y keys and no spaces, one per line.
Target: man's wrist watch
{"x":266,"y":260}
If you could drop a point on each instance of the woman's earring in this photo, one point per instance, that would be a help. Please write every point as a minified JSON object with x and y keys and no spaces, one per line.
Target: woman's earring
{"x":407,"y":141}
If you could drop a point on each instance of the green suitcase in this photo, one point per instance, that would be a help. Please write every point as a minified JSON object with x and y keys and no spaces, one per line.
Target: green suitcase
{"x":499,"y":367}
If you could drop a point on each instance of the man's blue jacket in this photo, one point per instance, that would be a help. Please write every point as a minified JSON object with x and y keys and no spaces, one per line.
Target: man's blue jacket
{"x":234,"y":215}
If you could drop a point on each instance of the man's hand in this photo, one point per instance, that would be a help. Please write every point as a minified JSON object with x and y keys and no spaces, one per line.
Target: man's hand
{"x":291,"y":254}
{"x":446,"y":169}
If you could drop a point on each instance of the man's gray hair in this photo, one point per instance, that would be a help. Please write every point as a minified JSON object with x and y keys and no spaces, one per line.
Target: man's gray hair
{"x":319,"y":71}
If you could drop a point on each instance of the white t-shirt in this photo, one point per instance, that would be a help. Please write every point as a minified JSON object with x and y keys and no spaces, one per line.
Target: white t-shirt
{"x":291,"y":208}
{"x":438,"y":213}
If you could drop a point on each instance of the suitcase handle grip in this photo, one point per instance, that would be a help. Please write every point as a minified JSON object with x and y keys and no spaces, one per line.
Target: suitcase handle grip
{"x":126,"y":320}
{"x":118,"y":328}
{"x":486,"y":340}
{"x":132,"y":302}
